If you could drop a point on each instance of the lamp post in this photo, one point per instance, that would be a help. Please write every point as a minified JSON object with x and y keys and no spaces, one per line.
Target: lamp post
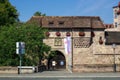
{"x":114,"y":67}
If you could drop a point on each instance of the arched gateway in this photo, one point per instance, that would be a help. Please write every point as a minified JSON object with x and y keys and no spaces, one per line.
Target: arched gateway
{"x":60,"y":61}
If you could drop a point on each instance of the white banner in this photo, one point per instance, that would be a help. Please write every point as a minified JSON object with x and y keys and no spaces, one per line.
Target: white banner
{"x":67,"y":44}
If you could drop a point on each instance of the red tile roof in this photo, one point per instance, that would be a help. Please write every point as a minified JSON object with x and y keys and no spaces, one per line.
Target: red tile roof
{"x":109,"y":26}
{"x":68,"y":21}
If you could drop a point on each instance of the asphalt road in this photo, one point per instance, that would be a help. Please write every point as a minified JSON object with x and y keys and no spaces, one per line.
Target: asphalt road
{"x":59,"y":78}
{"x":61,"y":75}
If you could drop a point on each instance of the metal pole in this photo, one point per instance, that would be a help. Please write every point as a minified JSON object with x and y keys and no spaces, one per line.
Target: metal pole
{"x":114,"y":60}
{"x":20,"y":63}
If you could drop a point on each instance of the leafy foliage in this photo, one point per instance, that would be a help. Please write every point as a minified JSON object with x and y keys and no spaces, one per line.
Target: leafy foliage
{"x":52,"y":54}
{"x":39,"y":14}
{"x":8,"y":13}
{"x":31,"y":34}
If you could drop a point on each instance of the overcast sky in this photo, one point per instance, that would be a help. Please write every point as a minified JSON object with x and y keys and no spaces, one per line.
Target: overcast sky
{"x":102,"y":8}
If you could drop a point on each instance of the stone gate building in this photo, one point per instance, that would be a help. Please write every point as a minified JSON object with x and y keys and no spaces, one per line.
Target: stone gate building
{"x":95,"y":46}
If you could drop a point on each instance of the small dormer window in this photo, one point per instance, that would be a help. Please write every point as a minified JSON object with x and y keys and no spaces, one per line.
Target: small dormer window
{"x":115,"y":24}
{"x":61,"y":22}
{"x":51,"y":23}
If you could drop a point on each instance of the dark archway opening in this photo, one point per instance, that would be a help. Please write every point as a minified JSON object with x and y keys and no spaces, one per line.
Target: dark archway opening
{"x":60,"y":60}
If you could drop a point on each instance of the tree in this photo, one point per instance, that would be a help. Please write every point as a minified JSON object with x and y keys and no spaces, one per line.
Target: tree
{"x":32,"y":35}
{"x":8,"y":13}
{"x":39,"y":14}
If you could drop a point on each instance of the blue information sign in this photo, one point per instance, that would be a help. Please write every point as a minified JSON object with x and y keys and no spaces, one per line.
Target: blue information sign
{"x":20,"y":47}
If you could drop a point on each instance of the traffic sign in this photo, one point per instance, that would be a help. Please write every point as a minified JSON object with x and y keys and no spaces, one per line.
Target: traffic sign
{"x":20,"y":47}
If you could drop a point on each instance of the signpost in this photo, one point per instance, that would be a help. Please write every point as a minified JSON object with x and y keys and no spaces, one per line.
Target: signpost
{"x":20,"y":49}
{"x":114,"y":46}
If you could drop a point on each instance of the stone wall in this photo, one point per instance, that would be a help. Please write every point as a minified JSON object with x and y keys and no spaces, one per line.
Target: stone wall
{"x":8,"y":69}
{"x":95,"y":58}
{"x":116,"y":17}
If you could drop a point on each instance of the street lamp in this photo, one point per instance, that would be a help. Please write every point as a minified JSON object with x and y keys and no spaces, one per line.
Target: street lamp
{"x":114,"y":46}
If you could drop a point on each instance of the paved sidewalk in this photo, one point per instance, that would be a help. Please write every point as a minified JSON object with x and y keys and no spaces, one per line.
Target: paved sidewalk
{"x":62,"y":74}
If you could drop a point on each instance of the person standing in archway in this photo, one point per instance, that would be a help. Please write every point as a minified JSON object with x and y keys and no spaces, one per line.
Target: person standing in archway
{"x":53,"y":64}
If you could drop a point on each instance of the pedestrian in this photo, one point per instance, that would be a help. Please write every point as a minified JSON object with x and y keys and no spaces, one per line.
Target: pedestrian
{"x":54,"y":64}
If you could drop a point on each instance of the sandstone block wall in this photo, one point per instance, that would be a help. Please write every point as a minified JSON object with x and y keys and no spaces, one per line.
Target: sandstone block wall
{"x":8,"y":69}
{"x":95,"y":58}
